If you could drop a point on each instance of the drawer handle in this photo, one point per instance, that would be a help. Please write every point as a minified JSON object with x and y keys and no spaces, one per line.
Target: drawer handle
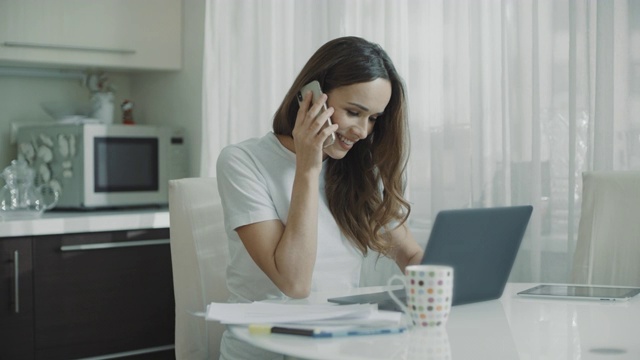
{"x":16,"y":281}
{"x":112,"y":245}
{"x":130,"y":353}
{"x":67,"y":47}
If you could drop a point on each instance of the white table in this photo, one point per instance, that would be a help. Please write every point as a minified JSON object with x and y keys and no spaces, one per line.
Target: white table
{"x":509,"y":328}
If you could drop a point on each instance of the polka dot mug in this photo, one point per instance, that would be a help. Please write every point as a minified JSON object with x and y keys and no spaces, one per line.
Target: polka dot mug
{"x":429,"y":291}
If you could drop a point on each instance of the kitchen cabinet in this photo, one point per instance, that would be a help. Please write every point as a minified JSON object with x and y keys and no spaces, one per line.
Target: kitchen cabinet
{"x":16,"y":299}
{"x":106,"y":34}
{"x":92,"y":294}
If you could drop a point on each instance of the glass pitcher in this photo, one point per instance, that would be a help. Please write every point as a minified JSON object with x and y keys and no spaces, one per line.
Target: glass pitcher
{"x":20,"y":198}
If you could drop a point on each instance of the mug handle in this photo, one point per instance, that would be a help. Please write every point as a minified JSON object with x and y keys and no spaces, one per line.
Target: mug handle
{"x":393,"y":296}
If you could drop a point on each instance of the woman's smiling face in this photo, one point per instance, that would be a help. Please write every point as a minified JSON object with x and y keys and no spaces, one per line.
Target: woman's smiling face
{"x":356,"y":109}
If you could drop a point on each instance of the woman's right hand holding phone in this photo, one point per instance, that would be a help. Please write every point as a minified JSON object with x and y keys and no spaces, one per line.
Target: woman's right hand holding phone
{"x":308,"y":132}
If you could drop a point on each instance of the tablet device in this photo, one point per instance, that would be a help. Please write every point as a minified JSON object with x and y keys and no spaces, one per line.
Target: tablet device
{"x":585,"y":292}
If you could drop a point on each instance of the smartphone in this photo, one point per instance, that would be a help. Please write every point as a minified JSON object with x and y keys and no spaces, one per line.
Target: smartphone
{"x":314,"y":86}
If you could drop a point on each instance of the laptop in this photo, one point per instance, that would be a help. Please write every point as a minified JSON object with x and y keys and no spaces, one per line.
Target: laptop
{"x":480,"y":244}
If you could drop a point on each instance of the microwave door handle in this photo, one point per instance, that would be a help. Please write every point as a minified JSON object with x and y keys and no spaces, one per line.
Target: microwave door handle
{"x":113,"y":245}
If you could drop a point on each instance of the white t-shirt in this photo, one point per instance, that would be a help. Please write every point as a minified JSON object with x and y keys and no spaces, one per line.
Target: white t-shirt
{"x":255,"y":178}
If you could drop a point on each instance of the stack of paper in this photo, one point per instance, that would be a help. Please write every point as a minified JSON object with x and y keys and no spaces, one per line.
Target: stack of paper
{"x":325,"y":320}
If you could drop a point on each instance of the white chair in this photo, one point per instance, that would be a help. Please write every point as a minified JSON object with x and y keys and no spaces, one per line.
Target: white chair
{"x":199,"y":255}
{"x":608,"y":247}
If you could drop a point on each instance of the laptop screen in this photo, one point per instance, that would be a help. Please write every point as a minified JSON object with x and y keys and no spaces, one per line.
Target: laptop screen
{"x":481,"y":245}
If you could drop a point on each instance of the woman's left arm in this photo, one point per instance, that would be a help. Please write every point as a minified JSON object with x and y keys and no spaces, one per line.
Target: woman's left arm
{"x":407,"y":250}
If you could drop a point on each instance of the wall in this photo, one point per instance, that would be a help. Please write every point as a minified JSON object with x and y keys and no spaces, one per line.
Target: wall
{"x":176,"y":98}
{"x":160,"y":98}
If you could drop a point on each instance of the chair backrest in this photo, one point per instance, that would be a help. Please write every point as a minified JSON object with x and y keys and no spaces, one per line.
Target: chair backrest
{"x":608,"y":247}
{"x":199,"y":255}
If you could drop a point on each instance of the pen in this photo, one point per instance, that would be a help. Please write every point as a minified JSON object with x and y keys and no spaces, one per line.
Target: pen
{"x":258,"y":329}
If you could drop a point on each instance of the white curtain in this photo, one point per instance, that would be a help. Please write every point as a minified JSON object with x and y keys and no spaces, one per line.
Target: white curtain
{"x":510,"y":100}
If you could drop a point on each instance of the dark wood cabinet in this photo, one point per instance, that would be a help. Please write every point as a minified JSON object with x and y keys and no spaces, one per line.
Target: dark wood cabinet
{"x":16,"y":299}
{"x":100,"y":294}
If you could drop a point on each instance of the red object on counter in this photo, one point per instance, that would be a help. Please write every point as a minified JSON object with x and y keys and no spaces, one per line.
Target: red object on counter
{"x":127,"y":112}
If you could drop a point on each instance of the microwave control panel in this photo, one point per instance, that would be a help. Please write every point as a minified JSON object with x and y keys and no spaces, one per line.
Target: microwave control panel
{"x":178,"y":155}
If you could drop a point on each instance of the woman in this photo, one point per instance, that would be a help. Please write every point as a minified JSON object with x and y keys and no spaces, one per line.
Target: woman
{"x":300,"y":216}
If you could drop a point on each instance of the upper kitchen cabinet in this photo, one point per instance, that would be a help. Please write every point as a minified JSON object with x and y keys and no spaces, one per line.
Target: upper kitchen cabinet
{"x":105,"y":34}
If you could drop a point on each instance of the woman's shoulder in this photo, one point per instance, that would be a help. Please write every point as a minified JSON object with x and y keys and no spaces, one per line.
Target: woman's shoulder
{"x":243,"y":147}
{"x":263,"y":148}
{"x":251,"y":151}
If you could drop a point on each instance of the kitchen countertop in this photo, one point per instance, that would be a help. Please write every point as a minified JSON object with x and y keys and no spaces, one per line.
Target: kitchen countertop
{"x":63,"y":222}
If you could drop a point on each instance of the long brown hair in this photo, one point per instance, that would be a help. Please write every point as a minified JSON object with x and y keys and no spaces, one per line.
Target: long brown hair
{"x":365,"y":189}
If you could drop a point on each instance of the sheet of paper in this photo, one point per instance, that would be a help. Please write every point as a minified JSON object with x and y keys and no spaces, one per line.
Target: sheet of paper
{"x":270,"y":313}
{"x":376,"y":319}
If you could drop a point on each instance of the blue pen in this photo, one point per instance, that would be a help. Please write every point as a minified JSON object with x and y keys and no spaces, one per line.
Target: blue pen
{"x":257,"y":329}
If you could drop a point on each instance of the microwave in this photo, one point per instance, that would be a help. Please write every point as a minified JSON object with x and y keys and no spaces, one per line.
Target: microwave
{"x":98,"y":166}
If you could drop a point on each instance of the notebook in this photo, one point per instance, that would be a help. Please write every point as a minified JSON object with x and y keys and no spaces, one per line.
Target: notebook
{"x":480,"y":244}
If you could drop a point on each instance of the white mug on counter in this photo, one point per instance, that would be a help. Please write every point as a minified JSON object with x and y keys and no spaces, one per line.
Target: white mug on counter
{"x":429,"y":294}
{"x":103,"y":107}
